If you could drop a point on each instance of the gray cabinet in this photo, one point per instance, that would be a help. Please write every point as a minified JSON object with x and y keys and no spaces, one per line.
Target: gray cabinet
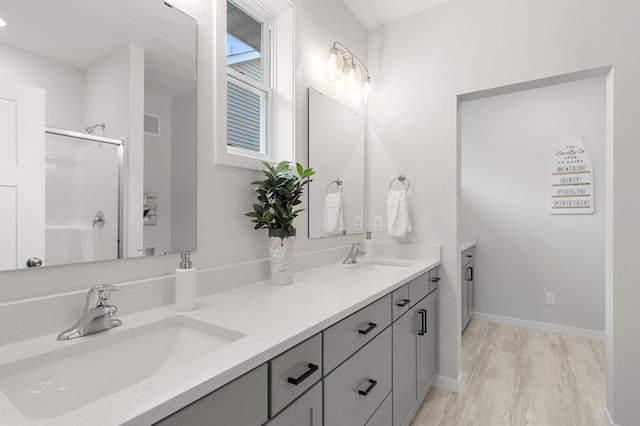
{"x":355,"y":390}
{"x":382,"y":417}
{"x":242,"y":402}
{"x":305,"y":411}
{"x":405,"y":367}
{"x":467,"y":290}
{"x":347,"y":336}
{"x":293,"y":372}
{"x":427,"y":343}
{"x":415,"y":357}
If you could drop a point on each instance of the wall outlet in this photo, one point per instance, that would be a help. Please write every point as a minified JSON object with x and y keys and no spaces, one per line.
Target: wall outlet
{"x":550,"y":298}
{"x":358,"y":224}
{"x":378,"y":224}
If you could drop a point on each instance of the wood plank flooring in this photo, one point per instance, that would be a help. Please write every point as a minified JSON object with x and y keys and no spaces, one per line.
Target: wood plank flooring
{"x":519,"y":377}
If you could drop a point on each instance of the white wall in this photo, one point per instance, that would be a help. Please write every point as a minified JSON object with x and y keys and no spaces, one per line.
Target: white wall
{"x":158,"y":171}
{"x":421,"y":64}
{"x":63,"y":84}
{"x":507,"y":146}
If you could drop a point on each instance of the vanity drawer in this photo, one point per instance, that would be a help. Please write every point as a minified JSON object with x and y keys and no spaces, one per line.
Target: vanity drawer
{"x":400,"y":301}
{"x":419,"y":288}
{"x":293,"y":372}
{"x":383,"y":417}
{"x":355,"y":390}
{"x":467,"y":255}
{"x":434,"y":279}
{"x":347,"y":336}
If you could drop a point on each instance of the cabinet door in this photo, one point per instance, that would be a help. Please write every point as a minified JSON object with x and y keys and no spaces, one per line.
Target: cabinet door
{"x":428,"y":343}
{"x":405,"y":365}
{"x":465,"y":301}
{"x":242,"y":402}
{"x":305,"y":411}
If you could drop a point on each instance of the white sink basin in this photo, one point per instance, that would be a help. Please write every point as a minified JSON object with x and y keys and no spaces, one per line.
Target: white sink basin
{"x":83,"y":373}
{"x":380,"y":266}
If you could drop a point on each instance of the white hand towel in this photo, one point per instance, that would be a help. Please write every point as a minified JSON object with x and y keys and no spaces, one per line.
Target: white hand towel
{"x":333,"y":215}
{"x":398,"y":221}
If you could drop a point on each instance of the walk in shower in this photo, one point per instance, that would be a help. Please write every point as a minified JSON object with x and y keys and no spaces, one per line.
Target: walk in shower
{"x":83,"y":193}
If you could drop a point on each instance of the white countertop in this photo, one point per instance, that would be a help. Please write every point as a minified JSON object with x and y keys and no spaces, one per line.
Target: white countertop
{"x":466,"y":245}
{"x":274,"y":319}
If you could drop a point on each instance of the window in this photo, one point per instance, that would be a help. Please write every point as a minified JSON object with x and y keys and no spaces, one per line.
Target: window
{"x":248,"y":85}
{"x":254,"y":102}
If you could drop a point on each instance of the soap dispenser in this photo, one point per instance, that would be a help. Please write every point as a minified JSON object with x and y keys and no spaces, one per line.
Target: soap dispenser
{"x":186,"y":284}
{"x":368,"y":246}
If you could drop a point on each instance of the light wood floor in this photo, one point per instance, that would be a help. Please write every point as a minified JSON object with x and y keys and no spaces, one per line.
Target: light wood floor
{"x":517,"y":376}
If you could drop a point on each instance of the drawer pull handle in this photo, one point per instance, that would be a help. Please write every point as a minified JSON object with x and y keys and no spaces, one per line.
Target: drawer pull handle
{"x":469,"y":255}
{"x":435,"y":279}
{"x":423,"y":322}
{"x":372,"y":384}
{"x":372,"y":325}
{"x":296,"y":381}
{"x":404,"y":303}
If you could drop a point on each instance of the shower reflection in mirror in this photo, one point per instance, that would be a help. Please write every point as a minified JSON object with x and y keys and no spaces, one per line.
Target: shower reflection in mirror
{"x":82,"y":194}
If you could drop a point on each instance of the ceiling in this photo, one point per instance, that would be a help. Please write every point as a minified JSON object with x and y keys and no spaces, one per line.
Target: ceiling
{"x":375,"y":13}
{"x":80,"y":32}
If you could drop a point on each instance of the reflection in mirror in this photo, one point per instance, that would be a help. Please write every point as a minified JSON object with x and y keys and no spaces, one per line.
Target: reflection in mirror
{"x":336,"y":153}
{"x":97,"y":131}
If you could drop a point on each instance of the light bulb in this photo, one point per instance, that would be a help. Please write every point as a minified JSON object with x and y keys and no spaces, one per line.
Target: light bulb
{"x":334,"y":64}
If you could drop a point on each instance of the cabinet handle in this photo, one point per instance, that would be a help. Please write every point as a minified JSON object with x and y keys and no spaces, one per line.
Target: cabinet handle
{"x":372,"y":325}
{"x":470,"y":273}
{"x":469,"y":255}
{"x":435,"y":279}
{"x":296,"y":381}
{"x":424,"y":321}
{"x":372,"y":384}
{"x":404,"y":303}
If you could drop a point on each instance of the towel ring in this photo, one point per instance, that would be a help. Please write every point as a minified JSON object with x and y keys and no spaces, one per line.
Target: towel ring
{"x":402,"y":179}
{"x":338,"y":183}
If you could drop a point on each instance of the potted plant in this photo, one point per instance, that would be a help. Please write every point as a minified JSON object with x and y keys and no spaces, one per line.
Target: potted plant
{"x":278,"y":194}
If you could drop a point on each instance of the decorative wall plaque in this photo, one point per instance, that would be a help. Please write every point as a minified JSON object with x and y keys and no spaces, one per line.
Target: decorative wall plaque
{"x":571,"y":190}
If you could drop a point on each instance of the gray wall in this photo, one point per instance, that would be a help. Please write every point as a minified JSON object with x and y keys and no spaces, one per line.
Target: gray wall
{"x":507,"y":146}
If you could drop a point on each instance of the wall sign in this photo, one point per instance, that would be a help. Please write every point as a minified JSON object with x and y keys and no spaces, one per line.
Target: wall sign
{"x":571,"y":188}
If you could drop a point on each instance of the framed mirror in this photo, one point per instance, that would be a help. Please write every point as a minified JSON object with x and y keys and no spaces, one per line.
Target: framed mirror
{"x":336,"y":153}
{"x":97,"y":131}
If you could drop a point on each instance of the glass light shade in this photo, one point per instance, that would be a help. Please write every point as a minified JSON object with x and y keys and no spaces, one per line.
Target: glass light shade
{"x":366,"y":89}
{"x":3,"y":23}
{"x":353,"y":78}
{"x":335,"y":61}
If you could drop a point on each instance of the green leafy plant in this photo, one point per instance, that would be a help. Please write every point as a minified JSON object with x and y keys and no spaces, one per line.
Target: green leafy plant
{"x":278,"y":194}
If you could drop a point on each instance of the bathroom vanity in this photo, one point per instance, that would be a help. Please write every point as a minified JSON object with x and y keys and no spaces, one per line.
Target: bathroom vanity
{"x":467,"y":287}
{"x":345,"y":344}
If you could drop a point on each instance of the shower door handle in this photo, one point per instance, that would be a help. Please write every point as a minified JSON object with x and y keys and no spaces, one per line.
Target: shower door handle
{"x":34,"y":262}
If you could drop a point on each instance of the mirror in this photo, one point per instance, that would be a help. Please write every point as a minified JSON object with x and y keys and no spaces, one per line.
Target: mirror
{"x":336,"y":153}
{"x":97,"y":131}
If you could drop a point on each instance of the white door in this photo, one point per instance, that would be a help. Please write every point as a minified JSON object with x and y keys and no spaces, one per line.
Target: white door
{"x":22,"y":170}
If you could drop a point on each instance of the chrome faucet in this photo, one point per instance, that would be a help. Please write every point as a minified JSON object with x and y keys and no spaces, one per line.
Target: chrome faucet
{"x":355,"y":252}
{"x":97,"y":315}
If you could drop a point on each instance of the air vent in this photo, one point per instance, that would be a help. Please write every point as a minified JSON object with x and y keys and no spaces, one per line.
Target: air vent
{"x":151,"y":124}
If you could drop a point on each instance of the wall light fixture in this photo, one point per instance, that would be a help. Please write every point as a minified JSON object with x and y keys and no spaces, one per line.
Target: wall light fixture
{"x":342,"y":62}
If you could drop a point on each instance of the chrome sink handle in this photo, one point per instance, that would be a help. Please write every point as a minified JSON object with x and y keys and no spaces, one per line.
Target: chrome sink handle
{"x":103,"y":291}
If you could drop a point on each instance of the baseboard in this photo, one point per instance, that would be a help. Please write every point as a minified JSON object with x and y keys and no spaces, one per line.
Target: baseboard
{"x":449,"y":384}
{"x":607,"y":418}
{"x":544,"y":326}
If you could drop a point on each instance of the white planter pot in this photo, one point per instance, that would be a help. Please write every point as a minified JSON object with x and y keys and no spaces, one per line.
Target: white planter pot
{"x":280,"y":255}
